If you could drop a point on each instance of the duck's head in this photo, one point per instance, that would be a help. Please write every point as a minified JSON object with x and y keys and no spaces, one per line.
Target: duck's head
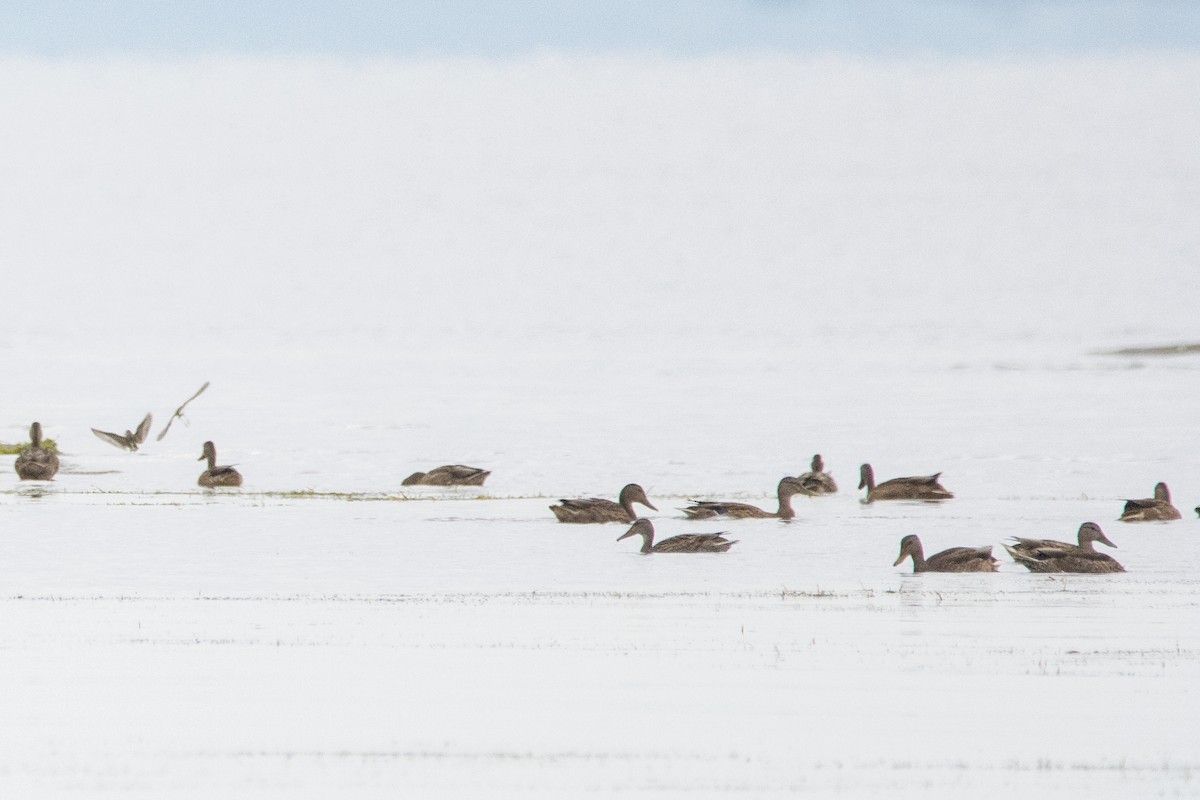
{"x":866,"y":476}
{"x":790,"y":486}
{"x":1090,"y":532}
{"x":1161,"y":492}
{"x":909,"y":546}
{"x":35,"y":434}
{"x":210,"y":451}
{"x":633,"y":493}
{"x":818,"y":464}
{"x":642,"y":527}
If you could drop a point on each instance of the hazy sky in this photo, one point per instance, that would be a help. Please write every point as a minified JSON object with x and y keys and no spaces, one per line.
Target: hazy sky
{"x":505,"y":27}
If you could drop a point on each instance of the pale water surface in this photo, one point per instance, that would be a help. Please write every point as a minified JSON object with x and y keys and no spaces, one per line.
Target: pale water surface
{"x":692,"y":274}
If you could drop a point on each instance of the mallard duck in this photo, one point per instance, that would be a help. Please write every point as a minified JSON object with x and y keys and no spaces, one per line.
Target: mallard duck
{"x":955,"y":559}
{"x":36,"y":463}
{"x":925,"y":487}
{"x":215,"y":476}
{"x":684,"y":543}
{"x":1047,"y":555}
{"x":818,"y":481}
{"x":706,"y":509}
{"x":1151,"y":509}
{"x":131,"y":440}
{"x":595,"y":509}
{"x":449,"y":475}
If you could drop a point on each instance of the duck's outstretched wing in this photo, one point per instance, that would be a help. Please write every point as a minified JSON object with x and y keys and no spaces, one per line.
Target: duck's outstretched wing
{"x":179,"y":412}
{"x":143,"y":429}
{"x":115,"y":439}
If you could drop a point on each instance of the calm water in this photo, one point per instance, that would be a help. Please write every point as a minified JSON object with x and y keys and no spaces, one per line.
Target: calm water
{"x":580,"y":273}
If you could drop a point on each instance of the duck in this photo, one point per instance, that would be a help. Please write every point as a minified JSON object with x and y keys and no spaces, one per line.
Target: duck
{"x":595,"y":509}
{"x":925,"y":487}
{"x":707,"y":509}
{"x":955,"y":559}
{"x":215,"y":476}
{"x":131,"y":440}
{"x":684,"y":543}
{"x":1047,"y":555}
{"x":1153,"y":509}
{"x":36,"y":463}
{"x":817,"y":481}
{"x":448,"y":475}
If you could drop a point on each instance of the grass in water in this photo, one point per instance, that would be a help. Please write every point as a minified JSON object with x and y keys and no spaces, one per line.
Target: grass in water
{"x":15,"y":449}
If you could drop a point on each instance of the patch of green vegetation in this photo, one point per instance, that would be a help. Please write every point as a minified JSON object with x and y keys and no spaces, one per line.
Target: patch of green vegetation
{"x":15,"y":449}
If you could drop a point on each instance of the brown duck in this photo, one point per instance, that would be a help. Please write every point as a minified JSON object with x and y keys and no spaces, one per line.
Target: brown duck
{"x":707,"y":509}
{"x":449,"y":475}
{"x":1152,"y":509}
{"x":955,"y":559}
{"x":817,"y":480}
{"x":215,"y":477}
{"x":1047,"y":555}
{"x":925,"y":487}
{"x":684,"y":543}
{"x":595,"y":509}
{"x":36,"y":463}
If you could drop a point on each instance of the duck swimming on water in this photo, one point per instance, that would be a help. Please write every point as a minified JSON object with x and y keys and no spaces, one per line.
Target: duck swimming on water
{"x":684,"y":543}
{"x":215,"y":477}
{"x":36,"y":463}
{"x":955,"y":559}
{"x":817,"y":480}
{"x":1047,"y":555}
{"x":1152,"y":509}
{"x":448,"y":475}
{"x":925,"y":487}
{"x":595,"y":509}
{"x":707,"y":509}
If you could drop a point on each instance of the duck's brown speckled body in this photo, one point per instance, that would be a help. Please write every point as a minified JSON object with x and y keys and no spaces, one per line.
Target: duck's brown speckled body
{"x":708,"y":509}
{"x":955,"y":559}
{"x":36,"y":463}
{"x":817,"y":481}
{"x":596,"y":509}
{"x":684,"y":543}
{"x":448,"y":475}
{"x":217,"y":477}
{"x":924,"y":487}
{"x":1152,"y":509}
{"x":1048,"y":555}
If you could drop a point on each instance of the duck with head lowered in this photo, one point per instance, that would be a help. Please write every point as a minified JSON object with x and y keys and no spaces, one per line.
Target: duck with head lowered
{"x":448,"y":475}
